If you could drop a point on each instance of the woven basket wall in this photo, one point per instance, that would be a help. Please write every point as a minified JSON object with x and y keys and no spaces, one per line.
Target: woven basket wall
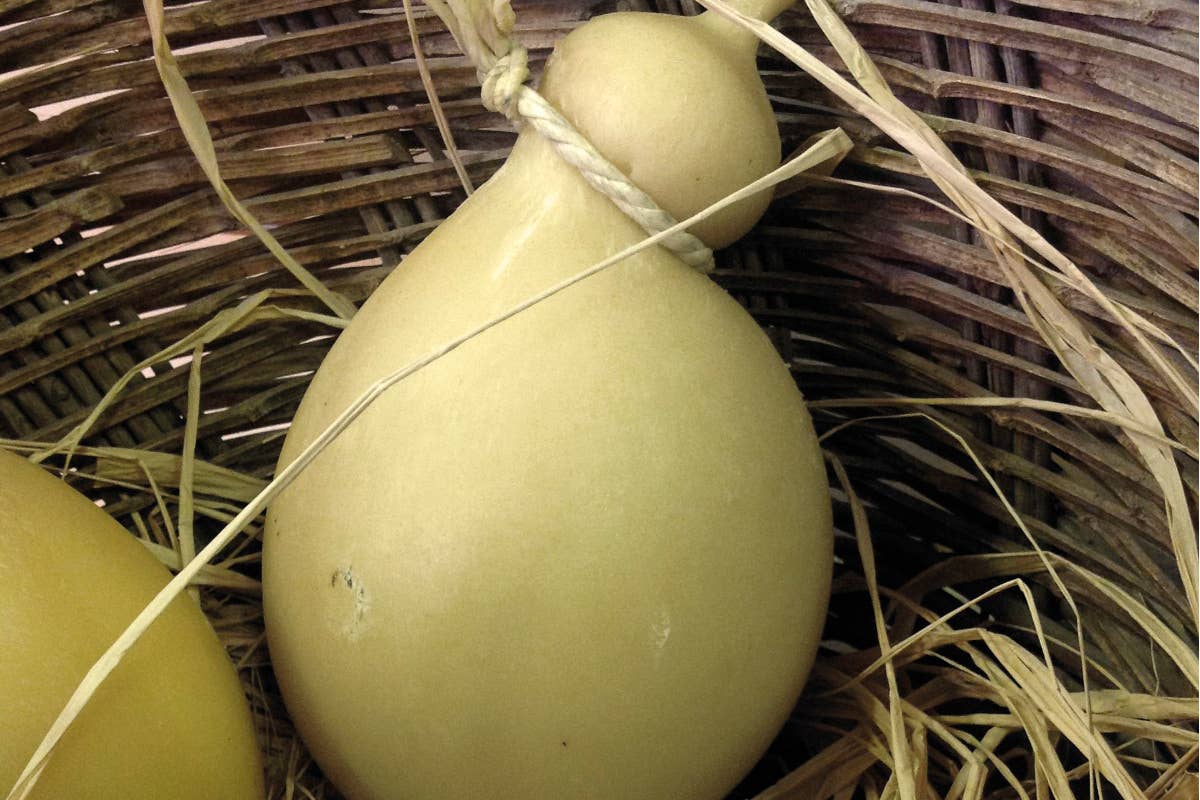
{"x":1079,"y":114}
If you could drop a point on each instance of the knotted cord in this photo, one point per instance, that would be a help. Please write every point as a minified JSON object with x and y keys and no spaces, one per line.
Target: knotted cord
{"x":483,"y":29}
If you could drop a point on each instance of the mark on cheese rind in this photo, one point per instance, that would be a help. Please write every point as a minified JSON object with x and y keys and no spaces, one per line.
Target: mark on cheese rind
{"x":344,"y":579}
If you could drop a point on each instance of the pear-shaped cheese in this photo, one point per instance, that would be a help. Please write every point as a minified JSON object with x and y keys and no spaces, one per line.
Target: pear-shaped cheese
{"x":586,"y":554}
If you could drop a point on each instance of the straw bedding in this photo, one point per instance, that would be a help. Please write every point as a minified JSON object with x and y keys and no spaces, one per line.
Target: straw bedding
{"x":1066,"y":508}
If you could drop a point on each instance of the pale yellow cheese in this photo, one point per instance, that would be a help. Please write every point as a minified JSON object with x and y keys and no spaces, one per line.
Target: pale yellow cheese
{"x":170,"y":722}
{"x":587,"y":554}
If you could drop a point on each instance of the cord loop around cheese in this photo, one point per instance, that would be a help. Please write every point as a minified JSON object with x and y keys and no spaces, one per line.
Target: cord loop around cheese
{"x":483,"y":29}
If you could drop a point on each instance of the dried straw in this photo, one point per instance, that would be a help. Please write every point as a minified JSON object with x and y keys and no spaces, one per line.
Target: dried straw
{"x":1015,"y":609}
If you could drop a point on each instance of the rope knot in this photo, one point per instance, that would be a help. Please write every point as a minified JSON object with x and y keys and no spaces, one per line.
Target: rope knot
{"x":483,"y":29}
{"x":504,"y":81}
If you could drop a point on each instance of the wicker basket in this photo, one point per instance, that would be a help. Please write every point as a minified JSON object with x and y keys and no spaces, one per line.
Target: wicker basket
{"x":1079,"y":115}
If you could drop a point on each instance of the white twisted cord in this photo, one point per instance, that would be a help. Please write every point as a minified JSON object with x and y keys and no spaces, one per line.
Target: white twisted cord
{"x":607,"y":179}
{"x":483,"y":30}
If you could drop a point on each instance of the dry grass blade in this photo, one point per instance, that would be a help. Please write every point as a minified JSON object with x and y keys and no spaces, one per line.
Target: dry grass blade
{"x":187,"y":470}
{"x":435,"y":103}
{"x":1135,"y":318}
{"x":195,"y":129}
{"x":247,"y":312}
{"x":902,"y":767}
{"x":211,"y":575}
{"x":1089,"y":741}
{"x":1008,"y":402}
{"x":965,"y":569}
{"x":1046,"y":559}
{"x":128,"y":465}
{"x":1041,"y":685}
{"x":1167,"y":780}
{"x":1173,"y":643}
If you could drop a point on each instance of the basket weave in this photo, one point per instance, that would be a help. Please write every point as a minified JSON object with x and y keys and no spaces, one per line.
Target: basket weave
{"x":1079,"y":114}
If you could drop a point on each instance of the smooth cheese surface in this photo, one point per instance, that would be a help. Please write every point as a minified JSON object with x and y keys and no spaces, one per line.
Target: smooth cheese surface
{"x":676,"y":104}
{"x":587,"y":554}
{"x":170,"y":722}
